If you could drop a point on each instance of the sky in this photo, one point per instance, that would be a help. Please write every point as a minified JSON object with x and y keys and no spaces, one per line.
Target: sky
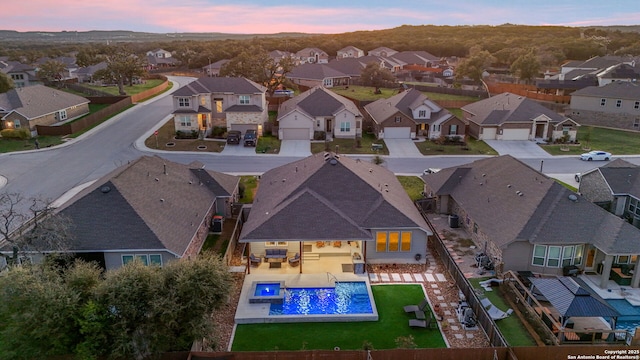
{"x":318,"y":16}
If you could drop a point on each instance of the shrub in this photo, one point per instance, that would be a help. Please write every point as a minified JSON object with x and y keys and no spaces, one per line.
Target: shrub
{"x":193,"y":134}
{"x":319,"y":135}
{"x":22,"y":134}
{"x":218,"y":131}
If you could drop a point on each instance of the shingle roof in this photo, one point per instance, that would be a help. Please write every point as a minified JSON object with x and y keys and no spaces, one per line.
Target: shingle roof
{"x":210,"y":85}
{"x":38,"y":100}
{"x":404,"y":102}
{"x":571,"y":299}
{"x":618,"y":89}
{"x":620,"y":71}
{"x":507,"y":108}
{"x":146,"y":207}
{"x":318,"y":101}
{"x":315,"y":72}
{"x":316,"y":199}
{"x":622,"y":177}
{"x":512,"y":202}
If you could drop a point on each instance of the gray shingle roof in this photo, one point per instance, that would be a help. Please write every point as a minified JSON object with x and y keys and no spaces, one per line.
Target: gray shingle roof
{"x":315,"y":199}
{"x":404,"y":102}
{"x":618,"y":89}
{"x":508,"y":108}
{"x":318,"y":101}
{"x":210,"y":85}
{"x":315,"y":72}
{"x":38,"y":100}
{"x":622,"y":177}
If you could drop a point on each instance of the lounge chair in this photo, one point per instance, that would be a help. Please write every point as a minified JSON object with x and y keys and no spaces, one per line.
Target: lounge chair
{"x":494,"y":312}
{"x":418,"y":323}
{"x":295,"y":260}
{"x":253,"y":260}
{"x":413,"y":308}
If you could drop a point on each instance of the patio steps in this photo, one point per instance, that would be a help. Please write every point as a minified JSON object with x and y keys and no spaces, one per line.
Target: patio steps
{"x":311,"y":256}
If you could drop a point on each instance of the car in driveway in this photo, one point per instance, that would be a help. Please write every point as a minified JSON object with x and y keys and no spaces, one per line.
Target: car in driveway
{"x":250,"y":138}
{"x":596,"y":155}
{"x":430,"y":171}
{"x":233,"y":137}
{"x":283,"y":92}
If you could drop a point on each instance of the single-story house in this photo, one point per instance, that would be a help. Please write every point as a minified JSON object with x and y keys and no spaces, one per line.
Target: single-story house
{"x":333,"y":201}
{"x":410,"y":114}
{"x":29,"y":106}
{"x":214,"y":68}
{"x":151,"y":209}
{"x":318,"y":109}
{"x":525,"y":221}
{"x":232,"y":102}
{"x":615,"y":105}
{"x":311,"y":75}
{"x":615,"y":187}
{"x":512,"y":117}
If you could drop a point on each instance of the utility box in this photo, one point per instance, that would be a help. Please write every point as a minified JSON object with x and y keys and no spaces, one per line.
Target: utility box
{"x":453,"y":221}
{"x":216,"y":224}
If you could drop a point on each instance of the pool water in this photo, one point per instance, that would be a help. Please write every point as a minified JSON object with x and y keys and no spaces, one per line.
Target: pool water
{"x":271,"y":289}
{"x":345,"y":298}
{"x":629,"y":318}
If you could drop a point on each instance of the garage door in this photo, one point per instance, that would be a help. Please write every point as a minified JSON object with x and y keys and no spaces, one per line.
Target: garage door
{"x":295,"y":134}
{"x":515,"y":134}
{"x":488,"y":133}
{"x":397,"y":133}
{"x":244,"y":127}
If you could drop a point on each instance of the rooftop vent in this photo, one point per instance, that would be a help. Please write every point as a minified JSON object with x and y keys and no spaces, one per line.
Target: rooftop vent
{"x":333,"y":161}
{"x":105,"y":189}
{"x":573,"y":198}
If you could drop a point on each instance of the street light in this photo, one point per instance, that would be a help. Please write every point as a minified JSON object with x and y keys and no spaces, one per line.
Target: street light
{"x":209,"y":69}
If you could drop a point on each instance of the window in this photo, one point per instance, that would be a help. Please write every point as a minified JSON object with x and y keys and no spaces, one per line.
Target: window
{"x":358,"y":124}
{"x":16,"y":124}
{"x":539,"y":254}
{"x":422,"y":114}
{"x":436,"y":127}
{"x":553,"y":256}
{"x":62,"y":115}
{"x":155,"y":259}
{"x":636,"y":105}
{"x":565,"y":130}
{"x":578,"y":254}
{"x":398,"y":119}
{"x":185,"y":120}
{"x":634,"y":207}
{"x":405,"y":241}
{"x":567,"y":255}
{"x":203,"y":100}
{"x":475,"y":228}
{"x":622,"y":259}
{"x":218,"y":103}
{"x":17,"y":76}
{"x":275,"y":243}
{"x":453,"y":130}
{"x":345,"y":126}
{"x":618,"y":103}
{"x":143,"y":259}
{"x":127,"y":259}
{"x":636,"y":123}
{"x":244,"y":99}
{"x":184,"y":102}
{"x":394,"y":241}
{"x":381,"y":241}
{"x":603,"y":102}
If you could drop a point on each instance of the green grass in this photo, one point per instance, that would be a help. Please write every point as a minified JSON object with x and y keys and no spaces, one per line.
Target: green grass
{"x":130,"y":90}
{"x":382,"y":334}
{"x":566,"y":185}
{"x":349,"y":146}
{"x":268,"y":144}
{"x":511,"y":327}
{"x":210,"y":242}
{"x":413,"y":185}
{"x":617,"y":142}
{"x":473,"y":147}
{"x":368,"y":93}
{"x":11,"y":145}
{"x":250,"y":186}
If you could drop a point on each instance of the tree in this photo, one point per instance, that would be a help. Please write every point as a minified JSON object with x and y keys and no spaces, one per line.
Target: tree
{"x":52,"y":71}
{"x":526,"y":67}
{"x":375,"y":75}
{"x":123,"y":66}
{"x":88,"y":56}
{"x":474,"y":65}
{"x":6,"y":83}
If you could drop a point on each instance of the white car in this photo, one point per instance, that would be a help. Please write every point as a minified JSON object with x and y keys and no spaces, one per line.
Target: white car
{"x":596,"y":155}
{"x":430,"y":171}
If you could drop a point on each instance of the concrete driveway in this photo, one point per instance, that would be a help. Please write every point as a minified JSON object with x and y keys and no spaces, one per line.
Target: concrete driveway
{"x":518,"y":148}
{"x":402,"y":148}
{"x":239,"y":150}
{"x":295,"y":148}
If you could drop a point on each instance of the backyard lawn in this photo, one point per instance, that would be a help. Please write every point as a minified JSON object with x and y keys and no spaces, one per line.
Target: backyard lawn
{"x":130,"y":90}
{"x":250,"y":184}
{"x":350,"y":146}
{"x":413,"y":185}
{"x":511,"y":327}
{"x":368,"y":93}
{"x":382,"y":334}
{"x":617,"y":142}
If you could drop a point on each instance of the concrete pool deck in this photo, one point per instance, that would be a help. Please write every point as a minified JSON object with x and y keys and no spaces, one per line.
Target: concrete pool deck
{"x":248,"y":313}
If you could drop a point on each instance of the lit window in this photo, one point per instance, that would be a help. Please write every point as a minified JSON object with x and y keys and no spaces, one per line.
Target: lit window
{"x":184,"y":102}
{"x":405,"y":242}
{"x":381,"y":241}
{"x":244,"y":99}
{"x":218,"y":105}
{"x":394,"y":238}
{"x":203,"y":100}
{"x":622,"y":259}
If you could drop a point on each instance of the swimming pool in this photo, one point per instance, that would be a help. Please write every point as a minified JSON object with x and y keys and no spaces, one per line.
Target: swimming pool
{"x":346,"y":298}
{"x":629,"y":318}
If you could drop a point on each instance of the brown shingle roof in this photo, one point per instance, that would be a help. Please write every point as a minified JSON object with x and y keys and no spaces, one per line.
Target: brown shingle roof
{"x":38,"y":100}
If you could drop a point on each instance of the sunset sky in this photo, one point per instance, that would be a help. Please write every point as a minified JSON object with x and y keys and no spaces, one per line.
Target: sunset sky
{"x":326,"y":16}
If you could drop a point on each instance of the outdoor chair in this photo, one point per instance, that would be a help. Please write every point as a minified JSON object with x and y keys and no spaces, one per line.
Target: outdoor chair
{"x":418,"y":323}
{"x":253,"y":260}
{"x":295,"y":260}
{"x":494,"y":312}
{"x":413,"y":308}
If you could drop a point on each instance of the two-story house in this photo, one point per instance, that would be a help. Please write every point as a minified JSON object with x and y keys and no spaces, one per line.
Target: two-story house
{"x":319,"y":109}
{"x":615,"y":105}
{"x":349,"y":52}
{"x":21,"y":74}
{"x":160,"y":58}
{"x":312,"y":75}
{"x":231,"y":102}
{"x":312,"y":56}
{"x":410,"y":114}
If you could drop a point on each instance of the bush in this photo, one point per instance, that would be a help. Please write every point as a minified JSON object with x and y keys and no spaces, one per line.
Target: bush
{"x":193,"y":134}
{"x":218,"y":131}
{"x":319,"y":135}
{"x":22,"y":134}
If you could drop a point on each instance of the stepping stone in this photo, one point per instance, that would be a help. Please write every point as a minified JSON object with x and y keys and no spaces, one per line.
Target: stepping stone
{"x":430,"y":270}
{"x":459,"y":336}
{"x":447,"y":313}
{"x":444,"y":305}
{"x":468,"y":275}
{"x":407,"y":277}
{"x":455,"y":327}
{"x":469,"y":336}
{"x":441,"y":277}
{"x":459,"y":260}
{"x":451,"y":320}
{"x":384,"y":277}
{"x":373,"y":277}
{"x":395,"y":277}
{"x":434,"y":286}
{"x":430,"y":277}
{"x":439,"y":297}
{"x":437,"y":292}
{"x":419,"y":277}
{"x":454,"y":304}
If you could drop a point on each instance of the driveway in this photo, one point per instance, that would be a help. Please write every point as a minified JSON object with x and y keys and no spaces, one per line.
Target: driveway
{"x":295,"y":148}
{"x":402,"y":148}
{"x":518,"y":148}
{"x":238,"y":150}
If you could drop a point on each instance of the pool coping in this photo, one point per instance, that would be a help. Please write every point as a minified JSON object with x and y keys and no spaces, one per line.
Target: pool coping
{"x":254,"y":313}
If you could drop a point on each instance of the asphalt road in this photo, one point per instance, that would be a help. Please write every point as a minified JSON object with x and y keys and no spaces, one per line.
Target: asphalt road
{"x":50,"y":173}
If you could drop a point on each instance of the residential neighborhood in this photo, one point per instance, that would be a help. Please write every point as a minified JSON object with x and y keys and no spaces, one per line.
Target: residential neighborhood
{"x":353,"y":200}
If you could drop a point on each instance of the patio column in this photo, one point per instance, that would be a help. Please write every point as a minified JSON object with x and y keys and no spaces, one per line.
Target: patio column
{"x":635,"y":280}
{"x":606,"y":269}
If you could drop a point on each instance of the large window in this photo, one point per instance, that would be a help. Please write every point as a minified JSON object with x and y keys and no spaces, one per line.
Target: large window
{"x":218,"y":103}
{"x":146,"y":259}
{"x":244,"y":99}
{"x":393,"y":241}
{"x":184,"y":102}
{"x":557,"y":256}
{"x":185,"y":120}
{"x":453,"y":130}
{"x":539,"y":254}
{"x":16,"y":124}
{"x":553,"y":256}
{"x":345,"y":126}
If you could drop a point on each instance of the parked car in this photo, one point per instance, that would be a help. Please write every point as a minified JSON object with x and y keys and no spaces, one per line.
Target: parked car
{"x":577,"y":176}
{"x":430,"y":171}
{"x":250,"y":138}
{"x":233,"y":137}
{"x":281,"y":92}
{"x":596,"y":155}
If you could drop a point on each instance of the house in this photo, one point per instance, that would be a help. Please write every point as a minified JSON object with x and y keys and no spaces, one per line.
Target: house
{"x":354,"y":208}
{"x":231,"y":102}
{"x":410,"y":114}
{"x":615,"y":187}
{"x":512,"y":117}
{"x":349,"y":52}
{"x":319,"y":109}
{"x":214,"y":69}
{"x":525,"y":221}
{"x":618,"y":73}
{"x":69,"y":62}
{"x":353,"y":66}
{"x":419,"y":58}
{"x":615,"y":105}
{"x":151,"y":209}
{"x":29,"y":106}
{"x":382,"y":52}
{"x":159,"y":53}
{"x":312,"y":75}
{"x":85,"y":74}
{"x":312,"y":56}
{"x":21,"y":74}
{"x":278,"y":55}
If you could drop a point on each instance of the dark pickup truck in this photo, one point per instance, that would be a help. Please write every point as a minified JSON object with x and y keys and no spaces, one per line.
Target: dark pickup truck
{"x":250,"y":138}
{"x":233,"y":137}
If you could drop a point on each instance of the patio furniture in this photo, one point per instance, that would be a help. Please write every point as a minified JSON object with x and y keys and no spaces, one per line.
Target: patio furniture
{"x":337,"y":244}
{"x":275,"y":265}
{"x":253,"y":260}
{"x":319,"y":244}
{"x":494,"y":312}
{"x":295,"y":260}
{"x":413,"y":308}
{"x":420,"y":323}
{"x":275,"y":254}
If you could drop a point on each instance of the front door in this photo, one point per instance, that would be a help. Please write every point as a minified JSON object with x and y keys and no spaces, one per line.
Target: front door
{"x":539,"y":131}
{"x":589,"y":262}
{"x":328,"y":128}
